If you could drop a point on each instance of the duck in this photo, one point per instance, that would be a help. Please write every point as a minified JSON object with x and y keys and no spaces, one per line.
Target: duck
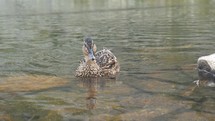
{"x":101,"y":63}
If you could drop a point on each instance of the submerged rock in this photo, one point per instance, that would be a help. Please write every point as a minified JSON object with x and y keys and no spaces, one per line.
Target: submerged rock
{"x":30,"y":83}
{"x":206,"y":69}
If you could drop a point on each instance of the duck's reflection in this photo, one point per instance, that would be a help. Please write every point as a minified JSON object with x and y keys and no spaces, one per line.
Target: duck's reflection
{"x":93,"y":85}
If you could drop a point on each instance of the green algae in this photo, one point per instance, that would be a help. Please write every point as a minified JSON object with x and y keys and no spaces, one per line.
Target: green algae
{"x":51,"y":100}
{"x":75,"y":111}
{"x":21,"y":110}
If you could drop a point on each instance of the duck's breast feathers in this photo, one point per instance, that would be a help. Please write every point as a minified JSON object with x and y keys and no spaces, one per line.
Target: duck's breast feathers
{"x":88,"y":69}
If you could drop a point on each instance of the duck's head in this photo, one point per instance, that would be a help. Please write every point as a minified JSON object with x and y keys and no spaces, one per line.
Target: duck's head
{"x":89,"y":49}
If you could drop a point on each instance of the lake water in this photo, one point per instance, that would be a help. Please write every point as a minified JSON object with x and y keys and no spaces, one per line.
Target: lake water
{"x":157,"y":43}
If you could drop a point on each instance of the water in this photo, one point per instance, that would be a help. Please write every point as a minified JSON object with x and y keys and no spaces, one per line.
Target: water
{"x":156,"y":42}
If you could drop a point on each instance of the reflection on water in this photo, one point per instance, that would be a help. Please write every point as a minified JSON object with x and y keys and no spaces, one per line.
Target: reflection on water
{"x":91,"y":85}
{"x":157,"y":43}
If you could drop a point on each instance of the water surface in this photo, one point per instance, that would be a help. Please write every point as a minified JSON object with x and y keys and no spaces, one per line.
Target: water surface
{"x":156,"y":42}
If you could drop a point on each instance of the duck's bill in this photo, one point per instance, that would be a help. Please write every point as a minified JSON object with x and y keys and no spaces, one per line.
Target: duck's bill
{"x":91,"y":55}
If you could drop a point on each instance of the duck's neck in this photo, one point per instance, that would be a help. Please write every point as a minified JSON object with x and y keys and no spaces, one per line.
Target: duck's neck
{"x":90,"y":62}
{"x":86,"y":58}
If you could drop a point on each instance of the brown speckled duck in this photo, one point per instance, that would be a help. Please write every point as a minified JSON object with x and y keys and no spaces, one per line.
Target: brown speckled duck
{"x":97,"y":64}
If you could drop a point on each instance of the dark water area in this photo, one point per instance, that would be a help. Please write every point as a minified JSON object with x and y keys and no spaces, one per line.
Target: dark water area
{"x":157,"y":43}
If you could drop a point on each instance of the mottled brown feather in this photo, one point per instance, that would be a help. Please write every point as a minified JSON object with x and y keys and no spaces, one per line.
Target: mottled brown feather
{"x":104,"y":65}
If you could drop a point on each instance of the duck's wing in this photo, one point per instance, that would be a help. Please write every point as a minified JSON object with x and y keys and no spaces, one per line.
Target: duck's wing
{"x":107,"y":61}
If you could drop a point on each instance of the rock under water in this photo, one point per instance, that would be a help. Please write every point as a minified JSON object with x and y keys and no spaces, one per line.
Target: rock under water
{"x":30,"y":83}
{"x":206,"y":69}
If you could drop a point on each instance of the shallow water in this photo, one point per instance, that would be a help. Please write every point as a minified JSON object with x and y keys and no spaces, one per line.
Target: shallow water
{"x":156,"y":42}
